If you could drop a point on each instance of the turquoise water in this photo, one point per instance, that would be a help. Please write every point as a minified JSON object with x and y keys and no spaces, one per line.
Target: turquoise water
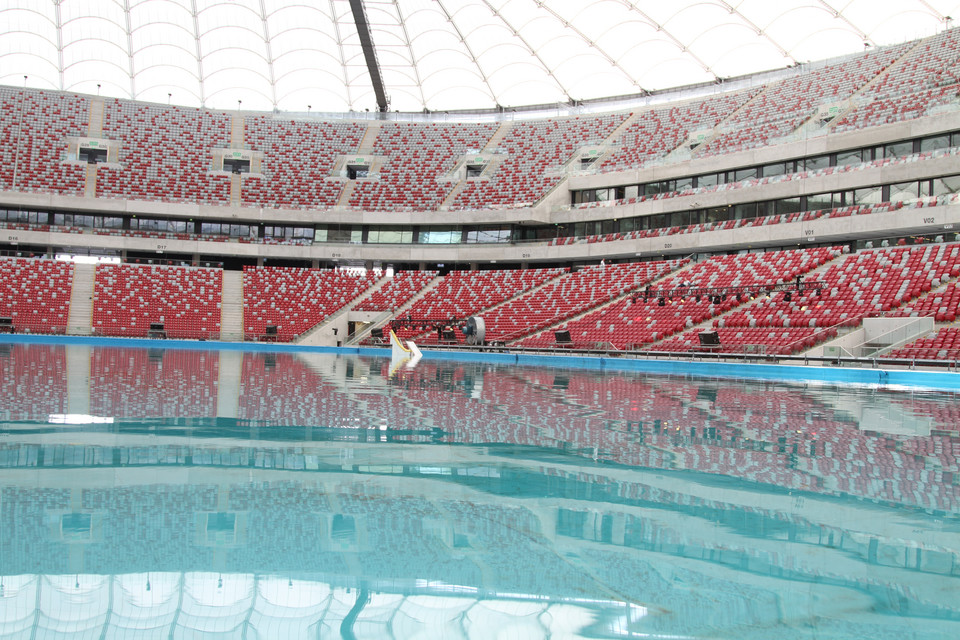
{"x":175,"y":493}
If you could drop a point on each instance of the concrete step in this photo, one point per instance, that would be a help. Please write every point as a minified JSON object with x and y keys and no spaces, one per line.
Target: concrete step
{"x":80,"y":319}
{"x":231,"y":307}
{"x":236,"y":131}
{"x":498,"y":136}
{"x":95,"y":126}
{"x":369,"y":138}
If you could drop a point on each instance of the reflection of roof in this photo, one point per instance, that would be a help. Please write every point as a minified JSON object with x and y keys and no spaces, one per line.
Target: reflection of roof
{"x":445,"y":54}
{"x":245,"y":605}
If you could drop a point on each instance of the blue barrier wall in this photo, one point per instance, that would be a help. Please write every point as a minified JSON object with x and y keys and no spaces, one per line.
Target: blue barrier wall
{"x":941,"y":380}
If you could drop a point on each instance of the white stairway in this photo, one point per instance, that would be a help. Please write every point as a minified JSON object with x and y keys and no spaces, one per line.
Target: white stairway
{"x":231,"y":307}
{"x":80,"y":320}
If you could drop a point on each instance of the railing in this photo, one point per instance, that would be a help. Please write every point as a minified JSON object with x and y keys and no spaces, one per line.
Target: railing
{"x":33,"y":328}
{"x":377,"y":322}
{"x":895,"y":337}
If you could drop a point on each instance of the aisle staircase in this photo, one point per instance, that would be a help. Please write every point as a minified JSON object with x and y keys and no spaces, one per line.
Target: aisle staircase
{"x":80,"y":319}
{"x":231,"y":307}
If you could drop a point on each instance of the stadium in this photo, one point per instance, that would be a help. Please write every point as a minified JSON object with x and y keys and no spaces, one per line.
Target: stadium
{"x":214,"y":213}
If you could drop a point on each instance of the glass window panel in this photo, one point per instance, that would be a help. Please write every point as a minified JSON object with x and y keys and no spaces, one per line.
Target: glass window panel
{"x":716,"y":214}
{"x":682,"y":184}
{"x":385,"y":236}
{"x":869,"y":195}
{"x":744,"y":211}
{"x":488,"y":235}
{"x":765,"y":209}
{"x":853,"y":156}
{"x":776,"y":169}
{"x":820,"y":201}
{"x":440,"y":236}
{"x":904,"y":192}
{"x":708,"y":180}
{"x":340,"y":234}
{"x":816,"y":162}
{"x":898,"y":149}
{"x":678,"y":219}
{"x":745,"y":174}
{"x":935,"y":142}
{"x":946,"y":186}
{"x":787,"y":205}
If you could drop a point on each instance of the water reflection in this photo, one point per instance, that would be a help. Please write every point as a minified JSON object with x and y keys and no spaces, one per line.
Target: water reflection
{"x":177,"y":492}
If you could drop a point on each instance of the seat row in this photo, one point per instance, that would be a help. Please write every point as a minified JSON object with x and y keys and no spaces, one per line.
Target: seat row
{"x":167,"y":153}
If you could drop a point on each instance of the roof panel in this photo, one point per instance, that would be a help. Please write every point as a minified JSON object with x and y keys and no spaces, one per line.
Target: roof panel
{"x":434,"y":53}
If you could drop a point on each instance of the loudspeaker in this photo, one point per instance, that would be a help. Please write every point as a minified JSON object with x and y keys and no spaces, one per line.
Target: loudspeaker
{"x":709,"y":339}
{"x":156,"y":330}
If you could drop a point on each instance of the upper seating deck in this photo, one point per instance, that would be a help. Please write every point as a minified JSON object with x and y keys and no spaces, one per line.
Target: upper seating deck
{"x":783,"y":106}
{"x":657,"y":132}
{"x":924,"y":79}
{"x":532,"y":156}
{"x":417,"y":155}
{"x":166,"y":152}
{"x":34,"y":129}
{"x":298,"y":158}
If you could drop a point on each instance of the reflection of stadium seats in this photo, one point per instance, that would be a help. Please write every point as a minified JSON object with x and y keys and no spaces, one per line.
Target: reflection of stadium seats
{"x":135,"y":383}
{"x":281,"y":390}
{"x":771,"y":433}
{"x":33,"y":381}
